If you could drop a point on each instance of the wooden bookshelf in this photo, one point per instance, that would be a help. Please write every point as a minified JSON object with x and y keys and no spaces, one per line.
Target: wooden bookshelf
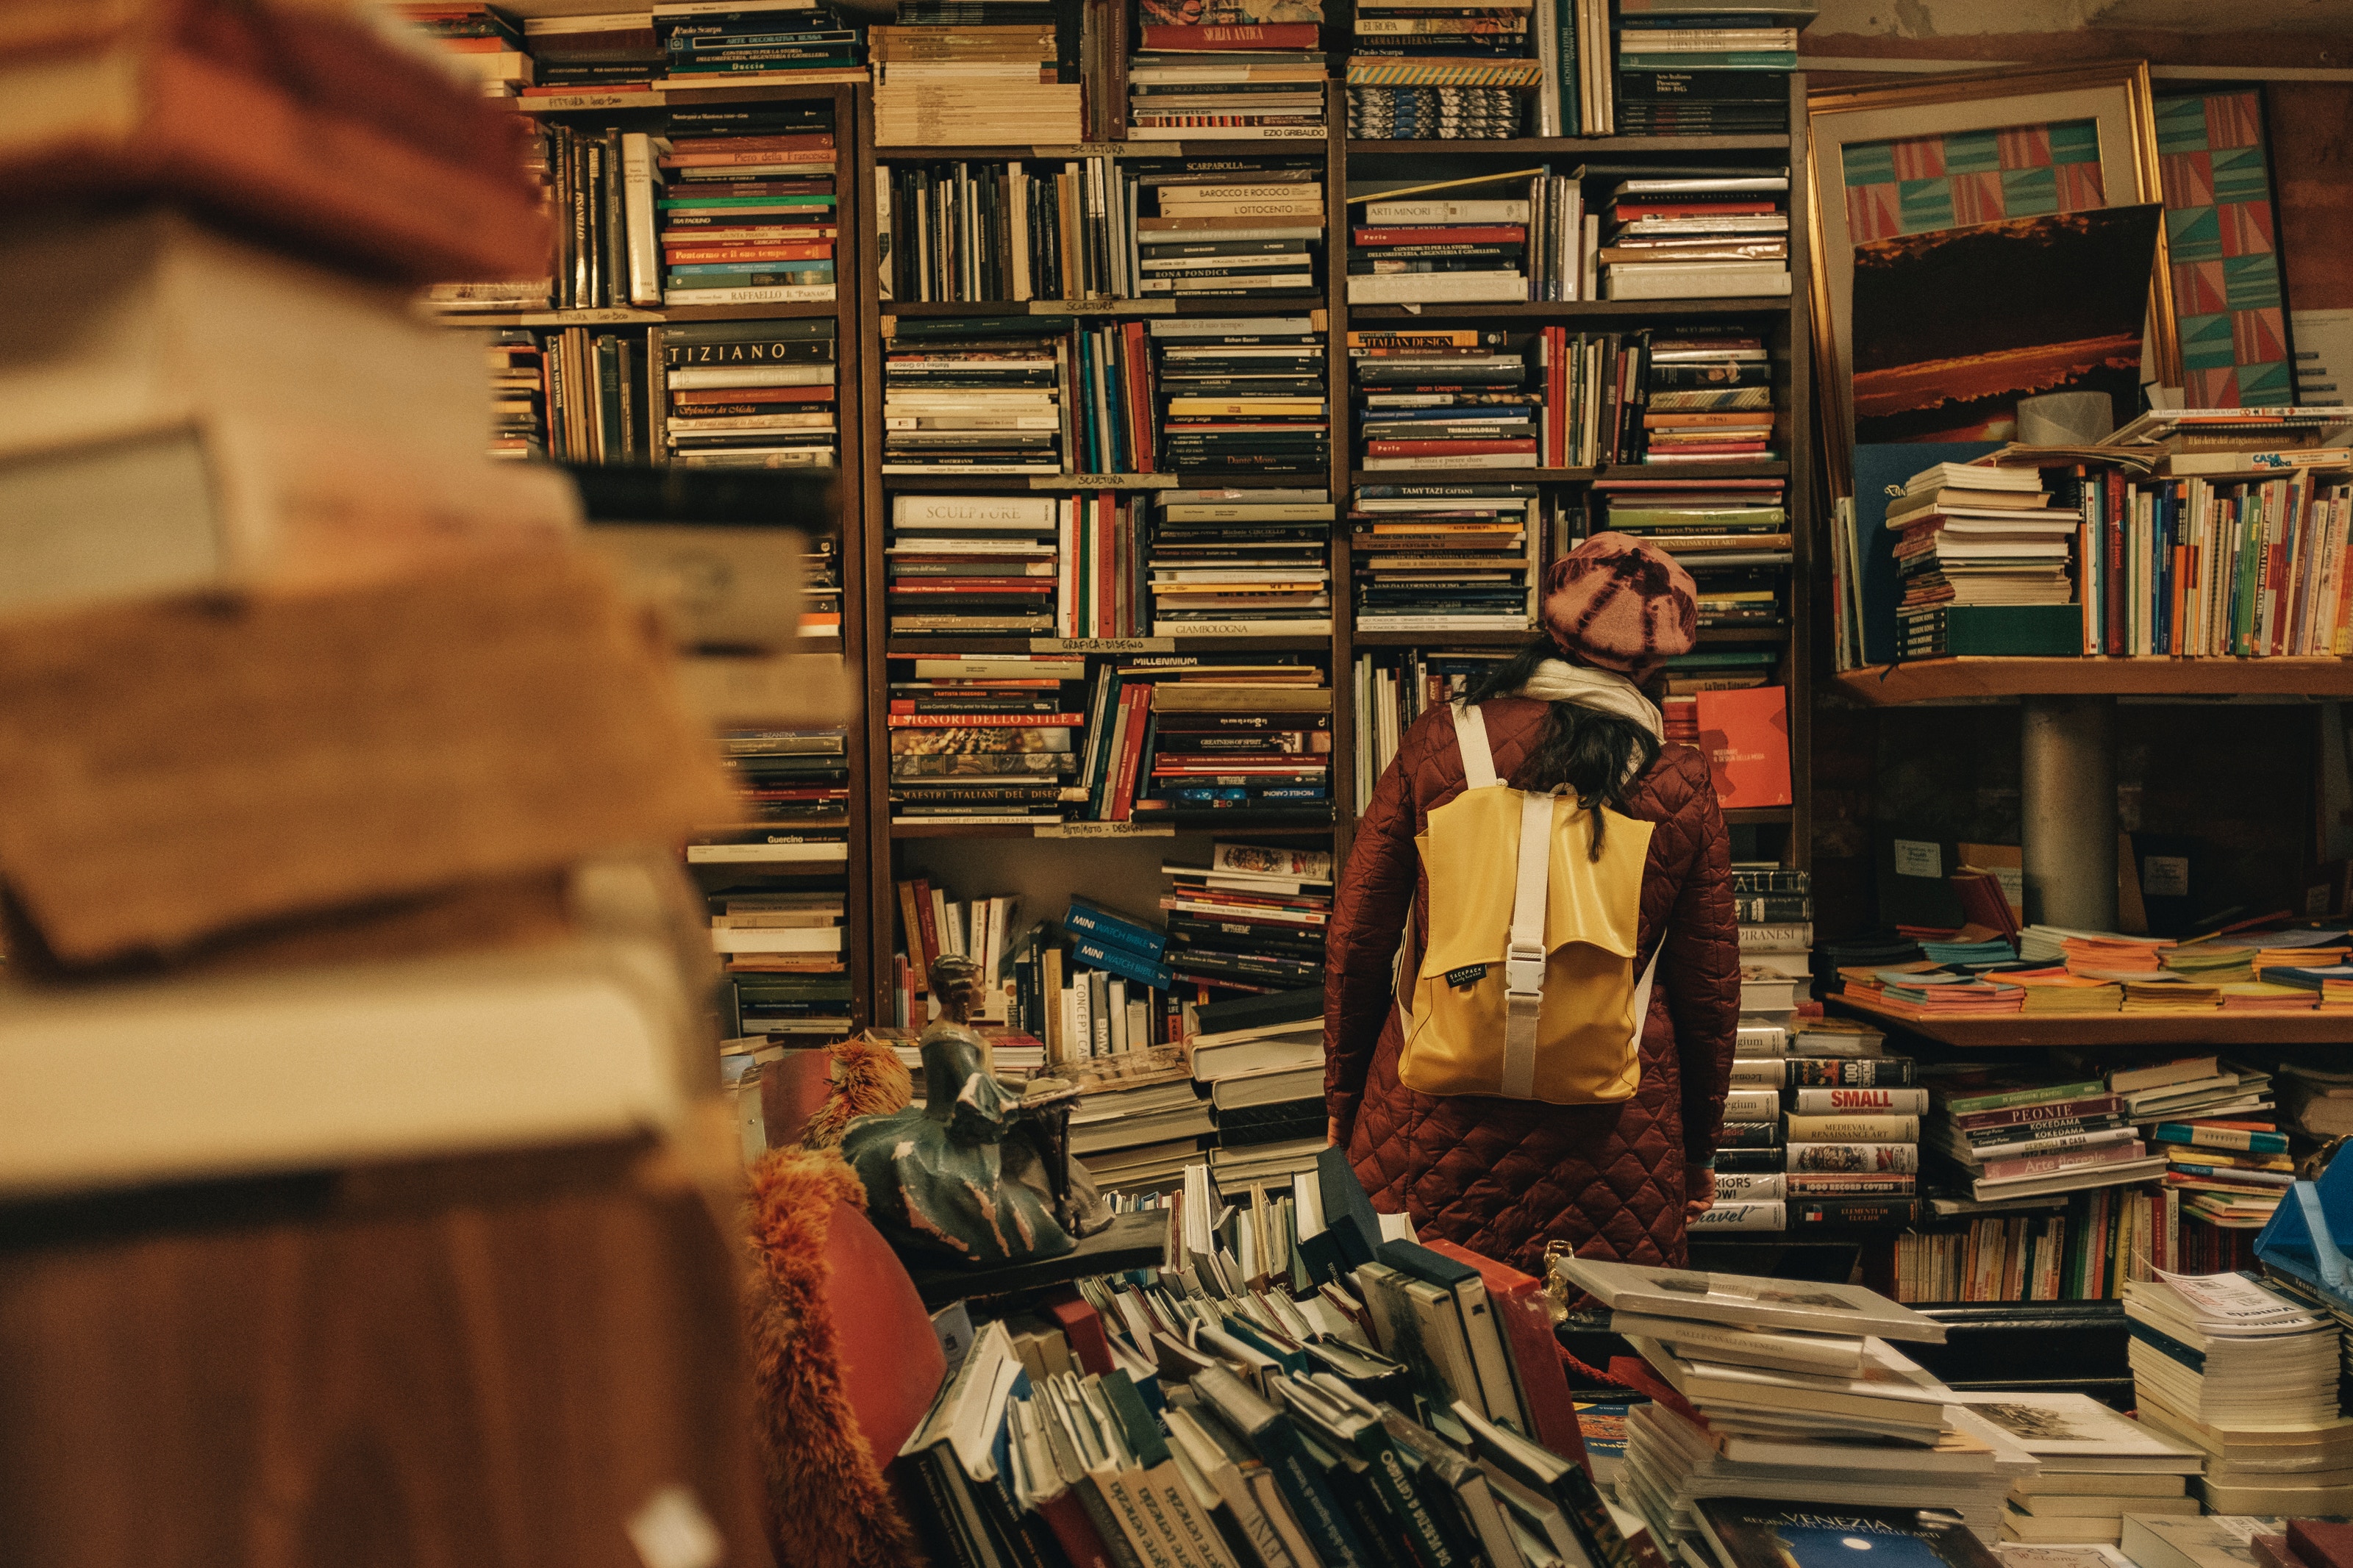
{"x":863,"y":317}
{"x":1959,"y":678}
{"x":2097,"y":1031}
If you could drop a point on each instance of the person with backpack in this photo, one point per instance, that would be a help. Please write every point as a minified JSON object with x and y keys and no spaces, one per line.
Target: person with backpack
{"x":1533,"y":972}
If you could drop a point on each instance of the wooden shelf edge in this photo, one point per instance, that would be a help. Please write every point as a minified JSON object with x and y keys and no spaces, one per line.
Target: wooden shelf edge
{"x":2022,"y":1032}
{"x":1537,"y":145}
{"x":1927,"y":680}
{"x":1548,"y":310}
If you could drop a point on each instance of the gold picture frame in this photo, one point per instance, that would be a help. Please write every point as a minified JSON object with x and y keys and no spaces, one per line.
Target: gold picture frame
{"x":2114,"y":95}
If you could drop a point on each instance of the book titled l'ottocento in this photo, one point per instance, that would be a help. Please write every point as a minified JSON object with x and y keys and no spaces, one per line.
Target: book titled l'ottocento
{"x":1747,"y":1533}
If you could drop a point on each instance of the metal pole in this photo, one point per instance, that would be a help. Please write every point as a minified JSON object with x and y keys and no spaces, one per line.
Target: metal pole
{"x":2067,"y":816}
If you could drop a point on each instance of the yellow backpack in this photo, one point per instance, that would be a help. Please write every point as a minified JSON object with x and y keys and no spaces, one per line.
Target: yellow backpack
{"x":1527,"y":990}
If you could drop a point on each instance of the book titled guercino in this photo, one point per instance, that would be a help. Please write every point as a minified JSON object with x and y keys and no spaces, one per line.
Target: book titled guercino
{"x":1750,"y":1534}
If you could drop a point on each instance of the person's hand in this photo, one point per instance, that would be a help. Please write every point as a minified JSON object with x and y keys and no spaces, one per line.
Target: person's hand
{"x":1701,"y":1188}
{"x":1331,"y":1133}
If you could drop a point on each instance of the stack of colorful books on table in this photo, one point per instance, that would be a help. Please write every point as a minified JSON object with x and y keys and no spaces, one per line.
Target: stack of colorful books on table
{"x":962,"y":764}
{"x":1793,"y":1392}
{"x":2009,"y":1135}
{"x":1234,"y":70}
{"x":2095,"y":1466}
{"x":2333,"y":984}
{"x":2248,"y":1376}
{"x":1923,"y":990}
{"x":1727,"y":212}
{"x":1723,"y":70}
{"x":973,"y":71}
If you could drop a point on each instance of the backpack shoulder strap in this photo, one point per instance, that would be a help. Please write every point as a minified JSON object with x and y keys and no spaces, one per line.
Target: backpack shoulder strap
{"x":1478,"y":757}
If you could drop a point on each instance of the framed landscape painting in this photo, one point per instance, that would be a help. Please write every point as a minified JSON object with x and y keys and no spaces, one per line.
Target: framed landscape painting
{"x":2022,"y":156}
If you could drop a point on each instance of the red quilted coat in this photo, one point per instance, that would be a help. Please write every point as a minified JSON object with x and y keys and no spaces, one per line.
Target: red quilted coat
{"x":1502,"y":1177}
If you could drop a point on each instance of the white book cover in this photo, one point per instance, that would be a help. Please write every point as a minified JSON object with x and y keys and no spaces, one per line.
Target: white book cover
{"x":1746,"y":1301}
{"x":2064,"y":1428}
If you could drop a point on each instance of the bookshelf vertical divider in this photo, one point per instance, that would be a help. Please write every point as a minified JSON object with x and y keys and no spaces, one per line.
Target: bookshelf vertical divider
{"x":870,"y":670}
{"x":1337,"y":368}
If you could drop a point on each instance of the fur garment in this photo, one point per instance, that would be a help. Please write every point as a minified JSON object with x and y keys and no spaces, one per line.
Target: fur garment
{"x":869,"y":1079}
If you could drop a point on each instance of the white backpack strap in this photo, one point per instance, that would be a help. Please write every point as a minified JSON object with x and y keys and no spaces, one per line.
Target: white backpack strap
{"x":1523,"y":960}
{"x":1643,"y":993}
{"x":1478,"y":757}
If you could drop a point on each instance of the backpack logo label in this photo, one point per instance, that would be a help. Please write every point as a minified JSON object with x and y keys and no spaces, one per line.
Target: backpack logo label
{"x":1468,"y":975}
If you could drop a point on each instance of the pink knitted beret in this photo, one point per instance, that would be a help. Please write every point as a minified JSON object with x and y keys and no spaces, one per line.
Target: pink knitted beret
{"x":1618,"y":603}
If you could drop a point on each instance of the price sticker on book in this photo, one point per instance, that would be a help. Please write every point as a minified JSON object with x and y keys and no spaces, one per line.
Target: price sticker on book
{"x":1103,"y":830}
{"x":1103,"y":645}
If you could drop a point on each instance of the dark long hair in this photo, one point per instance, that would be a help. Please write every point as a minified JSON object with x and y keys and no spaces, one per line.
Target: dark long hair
{"x":1595,"y":754}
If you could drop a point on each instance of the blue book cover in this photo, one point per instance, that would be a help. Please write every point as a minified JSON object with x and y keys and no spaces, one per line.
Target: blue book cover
{"x":1116,"y":931}
{"x":1880,"y":472}
{"x":1126,"y":965}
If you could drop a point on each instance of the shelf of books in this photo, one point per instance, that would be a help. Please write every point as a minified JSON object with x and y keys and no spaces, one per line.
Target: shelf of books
{"x":1216,"y":414}
{"x":1962,"y":678}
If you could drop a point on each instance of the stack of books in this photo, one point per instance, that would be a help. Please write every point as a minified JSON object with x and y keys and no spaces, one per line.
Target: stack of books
{"x":1118,"y":960}
{"x":517,"y":368}
{"x":1237,"y":70}
{"x":2013,"y":1135}
{"x":1971,"y":534}
{"x":1242,"y":93}
{"x":746,"y":393}
{"x":821,"y":588}
{"x":1707,"y":67}
{"x":1136,"y":1108}
{"x":592,"y":397}
{"x":1699,"y":237}
{"x":1434,"y":245}
{"x":1226,"y":229}
{"x":1396,"y":66}
{"x":1792,"y":1394}
{"x":2215,"y":1356}
{"x":480,"y":42}
{"x":1444,"y":399}
{"x":1249,"y":894}
{"x":968,"y":231}
{"x":746,"y":216}
{"x":616,"y":52}
{"x":1835,"y":1067}
{"x":757,"y":43}
{"x":971,"y":396}
{"x":1259,"y":1060}
{"x":1252,"y":563}
{"x":598,"y":184}
{"x":1444,"y":557}
{"x":2229,"y":1175}
{"x":2095,"y":1466}
{"x":1243,"y":394}
{"x":1426,"y":73}
{"x":1707,"y":398}
{"x":1193,"y":696}
{"x":974,"y":565}
{"x":1731,"y":536}
{"x":973,"y":71}
{"x":954,"y":766}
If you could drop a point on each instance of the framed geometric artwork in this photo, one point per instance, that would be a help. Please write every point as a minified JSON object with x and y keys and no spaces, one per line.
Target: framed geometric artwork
{"x":2024,"y":168}
{"x":2230,"y":302}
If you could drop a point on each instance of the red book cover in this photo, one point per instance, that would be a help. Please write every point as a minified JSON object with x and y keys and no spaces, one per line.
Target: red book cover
{"x":1445,"y":448}
{"x":703,"y":145}
{"x":1267,"y":35}
{"x":2321,"y":1543}
{"x":1067,"y":1518}
{"x":930,"y":923}
{"x":1083,"y":1326}
{"x":1135,"y":361}
{"x":1525,"y":1315}
{"x":699,"y":160}
{"x":1746,"y":735}
{"x":1138,"y":700}
{"x":2115,"y":552}
{"x":690,"y":397}
{"x":1494,"y":234}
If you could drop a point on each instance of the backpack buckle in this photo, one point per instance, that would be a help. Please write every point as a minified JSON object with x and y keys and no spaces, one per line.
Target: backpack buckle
{"x":1524,"y":967}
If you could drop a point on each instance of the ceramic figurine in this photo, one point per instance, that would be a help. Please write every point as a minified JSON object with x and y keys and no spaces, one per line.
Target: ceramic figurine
{"x":978,"y":1175}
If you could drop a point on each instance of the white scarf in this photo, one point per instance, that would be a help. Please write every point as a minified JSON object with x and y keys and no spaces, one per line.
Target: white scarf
{"x":1605,"y":691}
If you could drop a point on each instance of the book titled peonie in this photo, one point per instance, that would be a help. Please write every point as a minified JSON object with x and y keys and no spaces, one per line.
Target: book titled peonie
{"x":1744,"y":1301}
{"x":1746,"y":1533}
